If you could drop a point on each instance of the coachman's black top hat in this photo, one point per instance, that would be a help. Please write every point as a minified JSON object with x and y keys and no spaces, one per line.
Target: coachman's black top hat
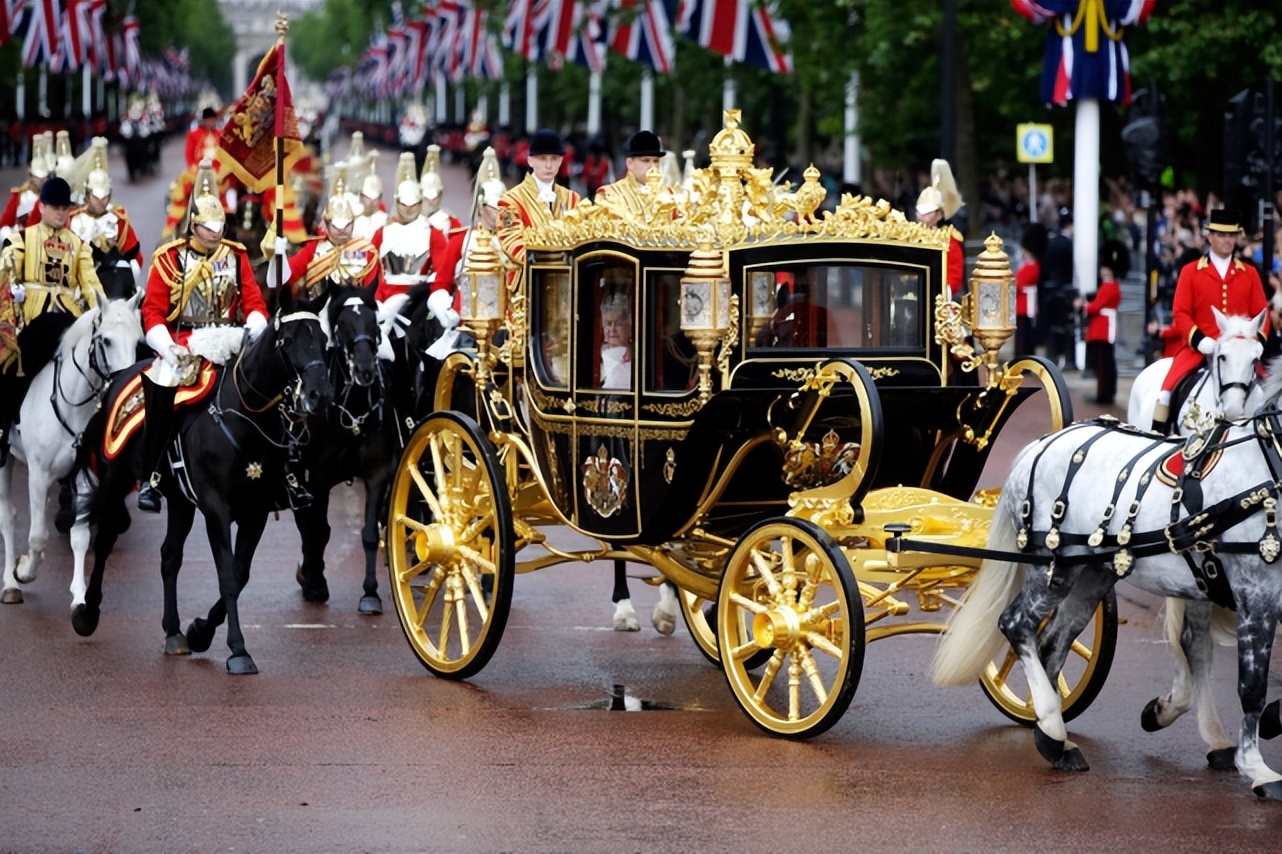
{"x":209,"y":113}
{"x":644,"y":144}
{"x":546,"y":141}
{"x":1225,"y":221}
{"x":55,"y":192}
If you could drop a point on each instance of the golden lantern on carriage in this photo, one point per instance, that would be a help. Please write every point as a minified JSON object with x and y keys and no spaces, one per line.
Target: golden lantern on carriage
{"x":989,"y":307}
{"x":483,"y":298}
{"x":706,"y":308}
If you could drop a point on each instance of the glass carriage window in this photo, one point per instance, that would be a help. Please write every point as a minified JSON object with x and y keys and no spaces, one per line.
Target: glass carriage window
{"x":553,"y":330}
{"x":607,"y":286}
{"x":835,"y":306}
{"x":672,"y":364}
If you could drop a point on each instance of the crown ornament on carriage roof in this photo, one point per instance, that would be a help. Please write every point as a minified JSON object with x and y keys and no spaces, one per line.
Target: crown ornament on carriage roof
{"x":736,"y":203}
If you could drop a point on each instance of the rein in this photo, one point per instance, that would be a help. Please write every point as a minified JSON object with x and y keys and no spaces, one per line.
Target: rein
{"x":97,"y":355}
{"x":236,"y":368}
{"x":347,"y":419}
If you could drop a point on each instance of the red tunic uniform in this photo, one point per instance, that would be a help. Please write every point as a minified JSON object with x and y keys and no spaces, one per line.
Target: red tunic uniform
{"x":1101,"y":314}
{"x":319,"y":265}
{"x":956,"y":261}
{"x":9,"y":218}
{"x":1200,"y":288}
{"x":188,"y":288}
{"x":198,"y":139}
{"x":520,"y":208}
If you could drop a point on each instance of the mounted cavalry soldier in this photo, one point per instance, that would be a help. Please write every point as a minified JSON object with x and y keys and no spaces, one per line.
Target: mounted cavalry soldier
{"x":105,"y":228}
{"x":48,"y":281}
{"x":422,"y":243}
{"x":334,"y":259}
{"x":198,"y":282}
{"x":22,"y":208}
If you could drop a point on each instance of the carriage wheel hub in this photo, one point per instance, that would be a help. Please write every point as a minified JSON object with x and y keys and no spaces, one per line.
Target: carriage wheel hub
{"x":777,"y":628}
{"x":436,"y":544}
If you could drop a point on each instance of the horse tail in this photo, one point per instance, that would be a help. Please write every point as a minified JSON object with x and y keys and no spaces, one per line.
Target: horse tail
{"x":1223,"y":626}
{"x":973,"y":639}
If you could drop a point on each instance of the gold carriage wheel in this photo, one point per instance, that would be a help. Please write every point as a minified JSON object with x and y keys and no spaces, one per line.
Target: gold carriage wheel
{"x":1089,"y":660}
{"x":1052,"y":381}
{"x":450,"y":545}
{"x":789,"y":590}
{"x":697,"y":611}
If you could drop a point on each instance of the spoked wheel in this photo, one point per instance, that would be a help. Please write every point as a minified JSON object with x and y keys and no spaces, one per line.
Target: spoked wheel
{"x":1089,"y":660}
{"x":788,"y":590}
{"x":451,"y":547}
{"x":700,"y":617}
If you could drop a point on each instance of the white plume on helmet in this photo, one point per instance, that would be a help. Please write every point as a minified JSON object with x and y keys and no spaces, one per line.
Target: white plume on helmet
{"x":489,"y":182}
{"x":942,"y":194}
{"x":430,"y":181}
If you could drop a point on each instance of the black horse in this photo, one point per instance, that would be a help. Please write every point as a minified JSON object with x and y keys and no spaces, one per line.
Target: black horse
{"x":232,"y":452}
{"x":357,"y":440}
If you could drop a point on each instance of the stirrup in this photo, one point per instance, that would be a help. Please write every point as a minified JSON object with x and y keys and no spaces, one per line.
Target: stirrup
{"x":298,"y":496}
{"x":149,"y":494}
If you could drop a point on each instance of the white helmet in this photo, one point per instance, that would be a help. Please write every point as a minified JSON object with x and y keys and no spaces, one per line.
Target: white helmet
{"x":430,"y":180}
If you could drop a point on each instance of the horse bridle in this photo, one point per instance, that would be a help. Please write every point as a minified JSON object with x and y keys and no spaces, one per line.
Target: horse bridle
{"x":97,"y":359}
{"x":1246,"y":387}
{"x":289,"y":392}
{"x":347,"y":419}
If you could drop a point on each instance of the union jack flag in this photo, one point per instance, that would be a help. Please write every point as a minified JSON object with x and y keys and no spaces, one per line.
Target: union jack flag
{"x":744,"y":30}
{"x":10,"y":19}
{"x":643,"y":34}
{"x":132,"y":54}
{"x":1085,"y":55}
{"x":42,"y":21}
{"x":576,"y":33}
{"x":524,"y":27}
{"x":480,"y":54}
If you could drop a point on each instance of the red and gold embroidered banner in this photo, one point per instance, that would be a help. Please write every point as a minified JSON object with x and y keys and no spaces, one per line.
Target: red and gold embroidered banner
{"x":265,"y":113}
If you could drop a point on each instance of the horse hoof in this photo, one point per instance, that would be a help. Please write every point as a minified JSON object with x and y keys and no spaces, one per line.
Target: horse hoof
{"x":313,"y":591}
{"x":241,"y":665}
{"x":1148,"y":717}
{"x":177,"y":645}
{"x":1270,"y":721}
{"x":199,"y":635}
{"x":1222,"y":759}
{"x":11,"y":596}
{"x":1072,"y":760}
{"x":1051,"y":749}
{"x":26,"y":570}
{"x":84,"y":620}
{"x":1269,"y":791}
{"x":664,"y":625}
{"x":371,"y":606}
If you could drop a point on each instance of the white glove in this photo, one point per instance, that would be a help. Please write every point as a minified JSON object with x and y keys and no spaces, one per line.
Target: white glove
{"x":159,"y":339}
{"x":1206,"y":346}
{"x":177,"y":351}
{"x":281,"y":246}
{"x":255,"y":324}
{"x":19,"y":292}
{"x":441,"y":304}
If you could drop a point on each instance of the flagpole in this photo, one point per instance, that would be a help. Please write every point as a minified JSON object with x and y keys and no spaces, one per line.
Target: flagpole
{"x":282,"y":27}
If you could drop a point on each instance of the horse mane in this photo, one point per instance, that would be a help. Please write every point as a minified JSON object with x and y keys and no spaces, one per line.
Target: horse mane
{"x":1271,"y":385}
{"x":79,"y":331}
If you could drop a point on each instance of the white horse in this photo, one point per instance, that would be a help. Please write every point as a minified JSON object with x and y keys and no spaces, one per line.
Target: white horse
{"x":1041,"y":608}
{"x":58,"y":405}
{"x":1223,"y":390}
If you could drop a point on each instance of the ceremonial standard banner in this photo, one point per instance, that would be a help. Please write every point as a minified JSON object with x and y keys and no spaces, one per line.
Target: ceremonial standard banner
{"x":262,"y":115}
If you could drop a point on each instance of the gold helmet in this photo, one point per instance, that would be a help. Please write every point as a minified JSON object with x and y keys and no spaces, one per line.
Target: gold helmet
{"x":41,"y":155}
{"x":63,"y":158}
{"x":338,"y":210}
{"x":430,"y":181}
{"x":408,"y":192}
{"x":98,"y":181}
{"x":206,"y":208}
{"x":489,"y":181}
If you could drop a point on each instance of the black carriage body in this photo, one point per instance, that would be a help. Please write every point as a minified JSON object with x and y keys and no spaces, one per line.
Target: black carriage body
{"x":644,"y":463}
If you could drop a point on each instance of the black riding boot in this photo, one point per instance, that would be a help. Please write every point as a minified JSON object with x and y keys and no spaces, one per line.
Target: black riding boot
{"x":157,"y":428}
{"x":12,"y":389}
{"x":296,"y":493}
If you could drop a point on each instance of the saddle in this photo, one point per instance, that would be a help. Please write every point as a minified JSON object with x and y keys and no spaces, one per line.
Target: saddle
{"x":1183,"y":388}
{"x":125,"y":410}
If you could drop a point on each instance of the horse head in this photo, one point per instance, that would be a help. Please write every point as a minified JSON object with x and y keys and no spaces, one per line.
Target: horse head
{"x":354,"y":330}
{"x":1234,"y":361}
{"x":118,"y":333}
{"x":300,"y":341}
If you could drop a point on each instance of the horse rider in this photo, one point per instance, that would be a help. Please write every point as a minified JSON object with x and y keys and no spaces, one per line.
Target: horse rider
{"x":936,"y":206}
{"x":106,"y":229}
{"x":643,"y":153}
{"x":202,"y":280}
{"x":335,"y":258}
{"x":23,"y":206}
{"x":1219,"y":280}
{"x":201,"y":137}
{"x":50,"y":280}
{"x":537,"y":199}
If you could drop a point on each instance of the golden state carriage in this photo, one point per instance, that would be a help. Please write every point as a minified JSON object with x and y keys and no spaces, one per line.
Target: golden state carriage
{"x":800,"y":390}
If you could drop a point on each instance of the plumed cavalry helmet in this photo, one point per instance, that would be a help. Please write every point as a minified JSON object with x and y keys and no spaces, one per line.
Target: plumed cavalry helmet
{"x":489,"y":182}
{"x":371,"y":184}
{"x":98,"y":181}
{"x":206,"y":208}
{"x":338,"y":210}
{"x":358,"y":147}
{"x":430,"y":181}
{"x":408,"y":191}
{"x":41,"y":155}
{"x":63,"y":158}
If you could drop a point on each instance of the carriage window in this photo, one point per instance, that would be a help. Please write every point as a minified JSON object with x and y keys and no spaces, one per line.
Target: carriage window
{"x":554,"y":325}
{"x":842,"y":306}
{"x":673,"y":364}
{"x":609,"y":283}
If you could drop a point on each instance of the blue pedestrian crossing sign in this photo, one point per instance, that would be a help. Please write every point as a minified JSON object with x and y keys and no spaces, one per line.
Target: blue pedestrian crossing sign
{"x":1034,"y":143}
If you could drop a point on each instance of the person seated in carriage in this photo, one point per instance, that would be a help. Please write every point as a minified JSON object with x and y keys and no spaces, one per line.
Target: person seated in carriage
{"x":23,"y":207}
{"x":47,"y":280}
{"x":105,"y":227}
{"x":1219,"y":280}
{"x":615,"y":369}
{"x":335,"y":258}
{"x":200,"y":281}
{"x":643,"y":153}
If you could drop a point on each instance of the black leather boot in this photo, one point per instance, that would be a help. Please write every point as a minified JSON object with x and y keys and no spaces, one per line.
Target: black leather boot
{"x":157,"y":428}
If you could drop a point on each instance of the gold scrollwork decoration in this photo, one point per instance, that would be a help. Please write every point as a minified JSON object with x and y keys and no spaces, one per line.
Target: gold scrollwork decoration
{"x":950,"y":331}
{"x":675,"y":410}
{"x":799,"y":375}
{"x":610,"y":407}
